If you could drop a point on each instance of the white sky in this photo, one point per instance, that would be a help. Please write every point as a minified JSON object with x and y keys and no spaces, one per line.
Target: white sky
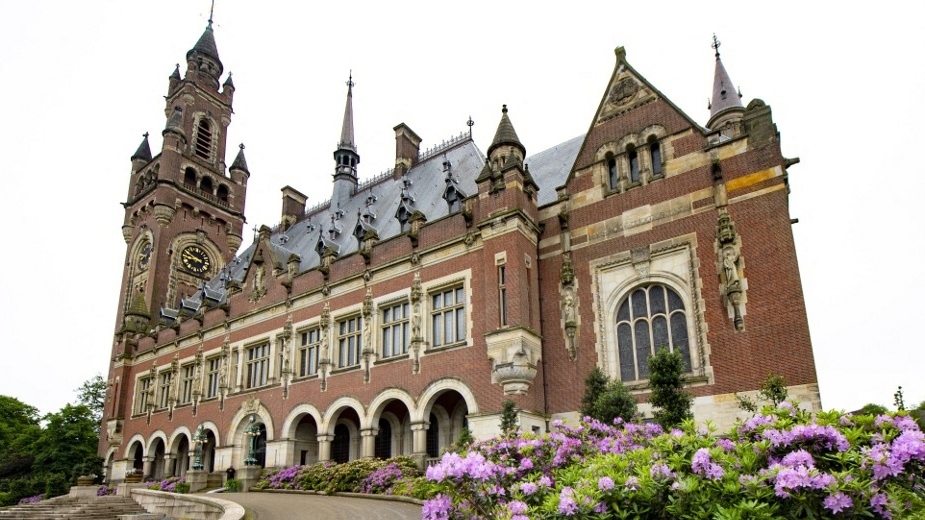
{"x":82,"y":80}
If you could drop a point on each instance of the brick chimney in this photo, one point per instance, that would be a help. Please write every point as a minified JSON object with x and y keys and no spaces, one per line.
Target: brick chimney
{"x":407,"y":148}
{"x":293,"y":206}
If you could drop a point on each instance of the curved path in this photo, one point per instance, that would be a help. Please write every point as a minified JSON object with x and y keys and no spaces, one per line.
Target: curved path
{"x":285,"y":506}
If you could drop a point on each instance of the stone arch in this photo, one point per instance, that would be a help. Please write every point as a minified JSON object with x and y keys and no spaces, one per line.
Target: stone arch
{"x":378,"y":404}
{"x":239,"y":421}
{"x":158,"y":434}
{"x":335,"y":409}
{"x":436,"y":389}
{"x":211,"y":426}
{"x":295,"y":415}
{"x":136,"y":440}
{"x":175,"y":437}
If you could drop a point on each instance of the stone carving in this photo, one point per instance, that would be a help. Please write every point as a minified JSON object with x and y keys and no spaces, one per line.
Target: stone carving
{"x":566,"y":272}
{"x":325,"y":358}
{"x":251,"y":405}
{"x":730,"y":268}
{"x":623,"y":91}
{"x":416,"y":317}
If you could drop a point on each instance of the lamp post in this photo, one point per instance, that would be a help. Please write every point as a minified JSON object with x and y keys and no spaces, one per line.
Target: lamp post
{"x":199,"y":438}
{"x":251,"y":433}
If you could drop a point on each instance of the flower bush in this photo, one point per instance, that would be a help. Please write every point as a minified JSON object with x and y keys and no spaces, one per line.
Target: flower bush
{"x":783,"y":463}
{"x":104,"y":490}
{"x":389,"y":476}
{"x":31,"y":500}
{"x":169,"y":484}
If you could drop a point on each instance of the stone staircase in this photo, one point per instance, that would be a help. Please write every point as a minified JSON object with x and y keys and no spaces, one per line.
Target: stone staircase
{"x":74,"y":508}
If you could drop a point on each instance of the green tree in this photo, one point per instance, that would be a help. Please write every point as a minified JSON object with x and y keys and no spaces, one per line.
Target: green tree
{"x":19,"y":427}
{"x":672,"y":402}
{"x":67,"y":445}
{"x":92,"y":393}
{"x":873,"y":409}
{"x":605,"y":400}
{"x":508,"y":418}
{"x":773,"y":391}
{"x":595,"y":386}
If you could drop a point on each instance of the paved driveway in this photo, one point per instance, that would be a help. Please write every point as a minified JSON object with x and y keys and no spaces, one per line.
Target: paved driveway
{"x":284,"y":506}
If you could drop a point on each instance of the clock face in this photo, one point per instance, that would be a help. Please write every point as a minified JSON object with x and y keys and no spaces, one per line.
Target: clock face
{"x":195,"y":259}
{"x":144,"y":256}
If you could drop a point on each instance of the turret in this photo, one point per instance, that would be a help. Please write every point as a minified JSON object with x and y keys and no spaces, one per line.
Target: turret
{"x":726,"y":104}
{"x":346,"y":157}
{"x":142,"y":155}
{"x":202,"y":62}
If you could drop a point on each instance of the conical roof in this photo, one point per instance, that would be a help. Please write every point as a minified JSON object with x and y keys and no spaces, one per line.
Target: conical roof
{"x":239,"y":162}
{"x":138,"y":307}
{"x":505,"y":135}
{"x":346,"y":131}
{"x":724,"y":96}
{"x":144,"y":150}
{"x":206,"y":45}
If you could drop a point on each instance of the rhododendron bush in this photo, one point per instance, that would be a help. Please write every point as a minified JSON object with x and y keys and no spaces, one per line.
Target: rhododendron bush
{"x":783,"y":463}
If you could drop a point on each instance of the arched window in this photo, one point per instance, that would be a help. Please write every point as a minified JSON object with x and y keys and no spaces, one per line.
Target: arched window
{"x":633,"y":159}
{"x":189,"y":178}
{"x":222,"y":193}
{"x":612,"y":178}
{"x":340,"y":446}
{"x":206,"y":185}
{"x":384,"y":440}
{"x":655,"y":153}
{"x":204,"y":139}
{"x":650,"y":318}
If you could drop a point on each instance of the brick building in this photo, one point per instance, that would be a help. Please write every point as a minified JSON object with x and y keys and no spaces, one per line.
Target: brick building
{"x":411,"y":305}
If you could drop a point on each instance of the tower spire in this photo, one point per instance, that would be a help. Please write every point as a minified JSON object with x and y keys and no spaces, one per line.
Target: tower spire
{"x":346,"y":157}
{"x":726,"y":102}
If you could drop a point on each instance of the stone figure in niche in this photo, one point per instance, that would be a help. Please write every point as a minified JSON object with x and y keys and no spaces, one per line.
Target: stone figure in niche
{"x":416,"y":320}
{"x":730,"y":267}
{"x":568,"y":306}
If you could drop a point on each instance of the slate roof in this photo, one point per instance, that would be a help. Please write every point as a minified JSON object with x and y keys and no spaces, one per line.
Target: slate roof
{"x":428,"y":181}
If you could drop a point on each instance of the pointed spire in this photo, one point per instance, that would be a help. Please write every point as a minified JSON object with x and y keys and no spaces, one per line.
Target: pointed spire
{"x":239,"y":162}
{"x":138,"y":308}
{"x":346,"y":132}
{"x":176,"y":72}
{"x":725,"y":97}
{"x":206,"y":45}
{"x":228,"y":82}
{"x":505,"y":135}
{"x":144,"y":150}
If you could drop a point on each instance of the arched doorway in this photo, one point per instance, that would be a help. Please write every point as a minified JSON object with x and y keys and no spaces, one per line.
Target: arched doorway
{"x":447,"y":417}
{"x":340,"y":446}
{"x":208,"y":452}
{"x":157,"y":465}
{"x":260,"y":453}
{"x":306,"y":440}
{"x":136,"y":453}
{"x":181,"y":461}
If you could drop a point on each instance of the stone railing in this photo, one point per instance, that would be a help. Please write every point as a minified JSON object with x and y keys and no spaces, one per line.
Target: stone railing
{"x":175,"y":505}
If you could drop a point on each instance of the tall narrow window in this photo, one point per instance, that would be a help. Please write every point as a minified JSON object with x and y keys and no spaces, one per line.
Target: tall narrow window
{"x":163,"y":389}
{"x":633,"y":158}
{"x":144,"y":388}
{"x":433,"y":437}
{"x":189,"y":178}
{"x":448,"y":317}
{"x":655,"y":153}
{"x":502,"y":295}
{"x":650,"y":318}
{"x":308,"y":353}
{"x":204,"y":139}
{"x":340,"y":446}
{"x":384,"y":440}
{"x":186,"y":384}
{"x":396,"y":335}
{"x":257,"y":365}
{"x":612,"y":179}
{"x":349,"y":341}
{"x":212,"y":376}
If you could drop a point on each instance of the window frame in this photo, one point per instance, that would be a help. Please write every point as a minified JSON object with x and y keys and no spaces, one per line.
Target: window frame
{"x":144,"y":386}
{"x":164,"y":380}
{"x":632,"y":322}
{"x":257,"y":367}
{"x":457,"y":310}
{"x":213,"y":376}
{"x":187,"y":382}
{"x":349,"y":341}
{"x":309,"y":352}
{"x":390,"y":328}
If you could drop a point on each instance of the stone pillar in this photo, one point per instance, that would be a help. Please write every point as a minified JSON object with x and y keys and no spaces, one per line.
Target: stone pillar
{"x":324,"y":447}
{"x":248,"y":476}
{"x":170,"y":468}
{"x":368,"y":446}
{"x":197,"y":480}
{"x":147,"y":466}
{"x":281,"y":453}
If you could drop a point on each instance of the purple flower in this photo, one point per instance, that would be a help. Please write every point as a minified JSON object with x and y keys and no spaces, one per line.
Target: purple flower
{"x":545,"y":481}
{"x":798,"y":458}
{"x":528,"y":488}
{"x":837,"y":503}
{"x":632,"y":483}
{"x":567,"y":504}
{"x":605,"y":484}
{"x":437,"y":508}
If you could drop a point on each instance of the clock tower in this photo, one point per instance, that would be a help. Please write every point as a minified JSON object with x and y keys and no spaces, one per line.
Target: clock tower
{"x":184,"y":215}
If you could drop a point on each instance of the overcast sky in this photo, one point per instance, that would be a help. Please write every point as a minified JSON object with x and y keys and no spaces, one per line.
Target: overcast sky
{"x":81,"y":81}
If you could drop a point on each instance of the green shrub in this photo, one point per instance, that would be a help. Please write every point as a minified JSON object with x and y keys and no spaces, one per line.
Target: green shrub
{"x":232,"y":485}
{"x":181,"y":487}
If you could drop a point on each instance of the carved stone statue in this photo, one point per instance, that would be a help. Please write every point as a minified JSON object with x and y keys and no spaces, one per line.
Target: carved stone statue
{"x":730,"y":267}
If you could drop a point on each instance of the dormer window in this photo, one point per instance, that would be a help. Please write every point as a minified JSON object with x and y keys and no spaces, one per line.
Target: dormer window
{"x":204,"y":139}
{"x":404,"y":216}
{"x":453,"y":198}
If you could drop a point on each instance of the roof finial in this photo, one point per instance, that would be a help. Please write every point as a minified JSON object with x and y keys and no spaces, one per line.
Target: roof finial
{"x":211,"y":10}
{"x":145,"y":135}
{"x":470,"y":124}
{"x":350,"y":82}
{"x":715,"y":45}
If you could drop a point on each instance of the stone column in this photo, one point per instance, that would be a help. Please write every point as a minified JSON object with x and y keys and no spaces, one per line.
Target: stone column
{"x":169,"y":465}
{"x":368,"y":446}
{"x":419,"y":442}
{"x":324,"y":447}
{"x":147,"y":466}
